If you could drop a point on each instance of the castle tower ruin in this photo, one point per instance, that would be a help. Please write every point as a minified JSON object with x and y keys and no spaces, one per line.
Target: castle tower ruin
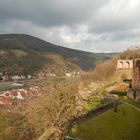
{"x":136,"y":74}
{"x":134,"y":64}
{"x":134,"y":93}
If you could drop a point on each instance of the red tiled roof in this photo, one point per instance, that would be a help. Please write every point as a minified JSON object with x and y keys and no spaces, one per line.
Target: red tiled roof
{"x":6,"y":100}
{"x":23,"y":94}
{"x":7,"y":94}
{"x":14,"y":92}
{"x":6,"y":97}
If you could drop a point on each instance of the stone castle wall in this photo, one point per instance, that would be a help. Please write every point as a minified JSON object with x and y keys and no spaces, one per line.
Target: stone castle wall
{"x":136,"y":74}
{"x":134,"y":94}
{"x":134,"y":64}
{"x":124,"y":64}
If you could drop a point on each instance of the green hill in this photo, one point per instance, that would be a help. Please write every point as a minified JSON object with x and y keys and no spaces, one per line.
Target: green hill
{"x":24,"y":54}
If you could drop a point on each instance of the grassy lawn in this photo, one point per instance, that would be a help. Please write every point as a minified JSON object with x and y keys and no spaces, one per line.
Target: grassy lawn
{"x":124,"y":125}
{"x":137,"y":104}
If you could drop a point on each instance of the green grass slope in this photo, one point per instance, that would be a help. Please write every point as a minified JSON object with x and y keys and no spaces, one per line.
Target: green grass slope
{"x":124,"y":125}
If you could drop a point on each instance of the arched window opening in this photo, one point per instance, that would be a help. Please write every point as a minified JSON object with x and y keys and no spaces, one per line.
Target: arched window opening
{"x":127,"y":64}
{"x":121,"y":65}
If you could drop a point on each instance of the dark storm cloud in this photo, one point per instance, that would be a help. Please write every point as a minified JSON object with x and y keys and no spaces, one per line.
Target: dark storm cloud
{"x":92,"y":25}
{"x":48,"y":12}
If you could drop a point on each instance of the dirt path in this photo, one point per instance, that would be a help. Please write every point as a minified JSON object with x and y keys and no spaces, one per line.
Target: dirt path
{"x":136,"y":108}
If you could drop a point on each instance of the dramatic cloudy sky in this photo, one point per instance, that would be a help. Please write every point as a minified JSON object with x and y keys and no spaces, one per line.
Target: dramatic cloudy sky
{"x":91,"y":25}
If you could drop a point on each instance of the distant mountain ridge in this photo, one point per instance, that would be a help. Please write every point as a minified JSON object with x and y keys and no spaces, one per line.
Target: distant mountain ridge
{"x":25,"y":54}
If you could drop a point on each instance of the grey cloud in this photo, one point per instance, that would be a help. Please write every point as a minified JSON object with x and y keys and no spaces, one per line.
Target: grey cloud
{"x":49,"y":12}
{"x":91,"y":25}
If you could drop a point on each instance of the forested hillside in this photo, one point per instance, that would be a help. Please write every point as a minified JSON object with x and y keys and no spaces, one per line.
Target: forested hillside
{"x":24,"y":54}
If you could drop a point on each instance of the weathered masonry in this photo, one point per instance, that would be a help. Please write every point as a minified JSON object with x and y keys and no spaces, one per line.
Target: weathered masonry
{"x":124,"y":64}
{"x":134,"y":64}
{"x":136,"y":74}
